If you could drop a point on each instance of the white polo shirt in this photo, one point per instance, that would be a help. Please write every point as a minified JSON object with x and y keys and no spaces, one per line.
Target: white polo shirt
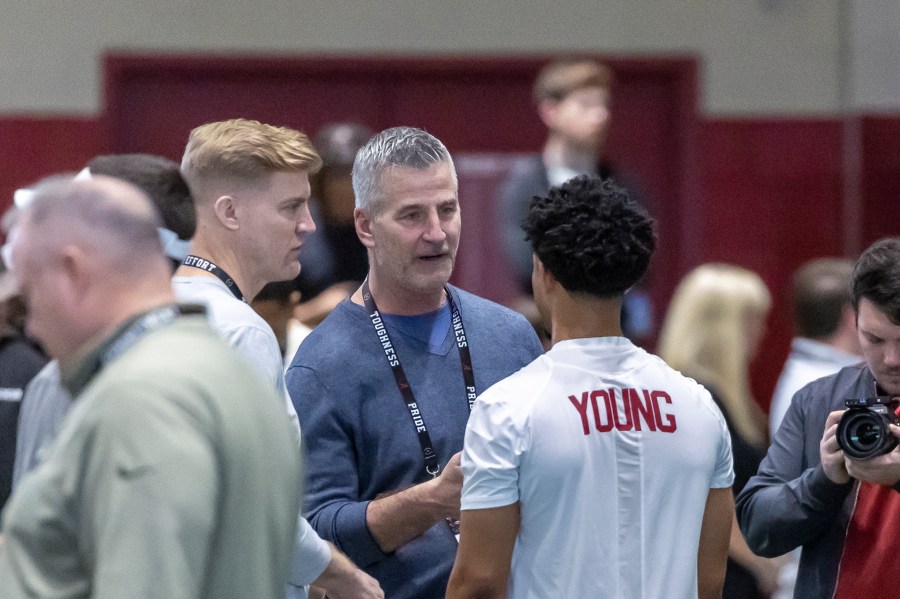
{"x":611,"y":455}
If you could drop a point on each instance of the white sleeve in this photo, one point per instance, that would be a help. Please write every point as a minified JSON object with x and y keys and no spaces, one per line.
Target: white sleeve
{"x":723,"y":476}
{"x":260,"y":348}
{"x":311,"y":555}
{"x":491,"y":456}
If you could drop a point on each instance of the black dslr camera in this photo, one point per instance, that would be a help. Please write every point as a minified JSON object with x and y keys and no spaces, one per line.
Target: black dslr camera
{"x":863,"y":430}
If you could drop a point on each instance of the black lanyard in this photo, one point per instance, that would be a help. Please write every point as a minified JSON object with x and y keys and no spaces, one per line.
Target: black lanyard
{"x":431,"y":464}
{"x":208,"y":266}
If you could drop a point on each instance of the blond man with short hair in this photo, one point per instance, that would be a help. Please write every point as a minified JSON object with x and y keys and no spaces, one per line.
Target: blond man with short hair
{"x":250,"y":183}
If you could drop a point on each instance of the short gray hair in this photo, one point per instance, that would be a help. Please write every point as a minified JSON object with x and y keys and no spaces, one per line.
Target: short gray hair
{"x":399,"y":146}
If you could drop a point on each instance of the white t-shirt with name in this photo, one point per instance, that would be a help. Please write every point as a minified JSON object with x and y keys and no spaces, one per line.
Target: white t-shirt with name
{"x":611,"y":455}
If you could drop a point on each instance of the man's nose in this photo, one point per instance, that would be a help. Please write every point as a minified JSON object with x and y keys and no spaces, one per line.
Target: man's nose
{"x":892,"y":354}
{"x":305,"y":222}
{"x":434,"y":230}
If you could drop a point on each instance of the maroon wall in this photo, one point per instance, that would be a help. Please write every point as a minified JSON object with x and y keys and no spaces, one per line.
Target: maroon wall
{"x":478,"y":105}
{"x":770,"y":196}
{"x":762,"y":193}
{"x":880,"y":177}
{"x":32,"y":147}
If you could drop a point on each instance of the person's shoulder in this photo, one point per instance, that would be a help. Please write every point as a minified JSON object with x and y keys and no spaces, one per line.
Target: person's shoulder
{"x":854,"y":374}
{"x":186,"y":336}
{"x":492,"y":327}
{"x":846,"y":383}
{"x":529,"y":380}
{"x":518,"y":395}
{"x":227,"y":314}
{"x":527,"y":165}
{"x":213,"y":294}
{"x":686,"y":388}
{"x":479,"y":307}
{"x":188,"y":357}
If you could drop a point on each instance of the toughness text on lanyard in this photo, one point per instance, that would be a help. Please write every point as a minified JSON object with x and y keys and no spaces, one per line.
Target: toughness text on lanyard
{"x":208,"y":266}
{"x":431,"y":464}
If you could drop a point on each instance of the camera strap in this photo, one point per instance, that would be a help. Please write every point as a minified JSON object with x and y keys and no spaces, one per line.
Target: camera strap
{"x":431,"y":464}
{"x":209,"y":266}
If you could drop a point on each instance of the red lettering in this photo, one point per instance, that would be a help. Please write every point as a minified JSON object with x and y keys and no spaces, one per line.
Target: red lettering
{"x":638,"y":413}
{"x":670,"y":425}
{"x":642,"y":411}
{"x":622,"y":426}
{"x":582,"y":409}
{"x":601,"y":426}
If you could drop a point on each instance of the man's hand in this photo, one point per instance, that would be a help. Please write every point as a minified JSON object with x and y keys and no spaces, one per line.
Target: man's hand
{"x":447,"y":488}
{"x":343,"y":580}
{"x":830,"y":453}
{"x":396,"y":519}
{"x":881,"y":470}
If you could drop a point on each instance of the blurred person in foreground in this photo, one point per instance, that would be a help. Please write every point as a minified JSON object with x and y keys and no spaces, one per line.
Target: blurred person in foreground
{"x":46,"y":401}
{"x":159,"y":484}
{"x":597,"y":470}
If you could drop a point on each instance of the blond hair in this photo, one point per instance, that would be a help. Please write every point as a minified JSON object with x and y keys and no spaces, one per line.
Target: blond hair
{"x":244,"y":150}
{"x":704,"y":336}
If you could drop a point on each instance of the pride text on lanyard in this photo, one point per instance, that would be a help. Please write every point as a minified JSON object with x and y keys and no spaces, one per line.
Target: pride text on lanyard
{"x":431,"y":464}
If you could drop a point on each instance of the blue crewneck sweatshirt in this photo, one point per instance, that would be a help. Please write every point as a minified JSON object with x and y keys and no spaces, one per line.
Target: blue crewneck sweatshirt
{"x":360,"y":439}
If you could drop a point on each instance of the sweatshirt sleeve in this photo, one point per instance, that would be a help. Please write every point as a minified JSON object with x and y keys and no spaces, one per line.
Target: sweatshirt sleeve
{"x":332,"y":498}
{"x":790,"y":502}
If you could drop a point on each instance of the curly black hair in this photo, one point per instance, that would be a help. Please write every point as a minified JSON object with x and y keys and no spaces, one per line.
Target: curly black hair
{"x":591,"y":236}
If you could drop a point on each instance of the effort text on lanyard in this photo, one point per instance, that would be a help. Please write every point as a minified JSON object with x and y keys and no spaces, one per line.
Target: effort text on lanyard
{"x":208,"y":266}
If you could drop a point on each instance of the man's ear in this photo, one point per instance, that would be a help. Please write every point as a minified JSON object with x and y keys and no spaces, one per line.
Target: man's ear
{"x":75,"y":266}
{"x":542,"y":273}
{"x":225,"y":209}
{"x":537,"y":267}
{"x":363,"y":223}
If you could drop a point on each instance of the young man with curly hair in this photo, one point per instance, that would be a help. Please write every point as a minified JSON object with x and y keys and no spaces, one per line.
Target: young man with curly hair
{"x":597,"y":470}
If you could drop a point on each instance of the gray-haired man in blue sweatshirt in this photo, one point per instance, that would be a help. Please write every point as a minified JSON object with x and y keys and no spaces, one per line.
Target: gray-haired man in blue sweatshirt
{"x":384,"y":385}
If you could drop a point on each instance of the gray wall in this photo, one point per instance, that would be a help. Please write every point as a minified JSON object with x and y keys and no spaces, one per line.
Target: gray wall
{"x":759,"y":57}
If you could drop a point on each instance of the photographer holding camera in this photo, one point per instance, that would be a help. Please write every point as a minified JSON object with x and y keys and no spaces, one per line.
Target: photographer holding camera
{"x":837,"y":493}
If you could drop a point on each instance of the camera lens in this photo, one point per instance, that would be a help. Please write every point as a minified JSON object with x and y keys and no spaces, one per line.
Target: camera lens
{"x":866,"y":435}
{"x":863,"y":434}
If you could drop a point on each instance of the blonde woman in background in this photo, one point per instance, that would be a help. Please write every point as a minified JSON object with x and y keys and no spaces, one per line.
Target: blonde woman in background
{"x":712,"y":330}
